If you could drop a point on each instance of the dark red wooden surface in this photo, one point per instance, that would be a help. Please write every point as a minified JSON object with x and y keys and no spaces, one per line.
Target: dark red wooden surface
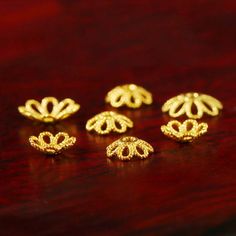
{"x":81,"y":49}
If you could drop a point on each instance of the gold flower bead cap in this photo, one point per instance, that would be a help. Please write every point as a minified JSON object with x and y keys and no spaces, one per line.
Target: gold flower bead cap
{"x":129,"y":147}
{"x":41,"y":111}
{"x":107,"y":122}
{"x":129,"y":95}
{"x":49,"y":144}
{"x":194,"y":105}
{"x":187,"y":131}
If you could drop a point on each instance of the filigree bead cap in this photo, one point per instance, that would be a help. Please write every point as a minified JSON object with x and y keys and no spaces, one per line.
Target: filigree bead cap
{"x":130,"y":95}
{"x":52,"y":145}
{"x":187,"y":131}
{"x":107,"y":122}
{"x":194,"y":105}
{"x":40,"y":111}
{"x":129,"y":147}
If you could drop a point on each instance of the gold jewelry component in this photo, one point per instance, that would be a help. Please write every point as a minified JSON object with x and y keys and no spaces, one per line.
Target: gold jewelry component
{"x":49,"y":144}
{"x":40,"y":111}
{"x":193,"y":104}
{"x":184,"y":132}
{"x":129,"y":147}
{"x":129,"y":95}
{"x":109,"y":121}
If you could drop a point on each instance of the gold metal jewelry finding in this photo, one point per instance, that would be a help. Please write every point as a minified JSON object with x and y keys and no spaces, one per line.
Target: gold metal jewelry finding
{"x":109,"y":121}
{"x":193,"y":104}
{"x":35,"y":110}
{"x":49,"y":144}
{"x":184,"y":132}
{"x":129,"y":147}
{"x":129,"y":95}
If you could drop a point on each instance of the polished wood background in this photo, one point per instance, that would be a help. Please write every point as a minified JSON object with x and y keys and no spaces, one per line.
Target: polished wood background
{"x":82,"y":49}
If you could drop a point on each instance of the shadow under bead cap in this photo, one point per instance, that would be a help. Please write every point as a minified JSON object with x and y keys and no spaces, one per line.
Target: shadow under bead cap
{"x":107,"y":122}
{"x":40,"y":111}
{"x":186,"y":103}
{"x":130,"y":95}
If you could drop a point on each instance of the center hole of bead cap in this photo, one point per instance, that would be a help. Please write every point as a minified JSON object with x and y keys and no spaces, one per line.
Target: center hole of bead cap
{"x":108,"y":113}
{"x":132,"y":86}
{"x":192,"y":95}
{"x":129,"y":139}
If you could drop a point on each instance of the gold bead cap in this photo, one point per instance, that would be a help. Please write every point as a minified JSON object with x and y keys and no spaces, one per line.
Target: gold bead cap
{"x":193,"y":104}
{"x":39,"y":111}
{"x":130,"y":95}
{"x":129,"y":147}
{"x":107,"y":122}
{"x":52,"y":145}
{"x":187,"y":131}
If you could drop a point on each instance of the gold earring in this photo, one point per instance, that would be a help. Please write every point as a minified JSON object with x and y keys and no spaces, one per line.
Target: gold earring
{"x":187,"y":131}
{"x":35,"y":110}
{"x":129,"y":147}
{"x":107,"y":122}
{"x":129,"y":95}
{"x":52,"y":145}
{"x":185,"y":103}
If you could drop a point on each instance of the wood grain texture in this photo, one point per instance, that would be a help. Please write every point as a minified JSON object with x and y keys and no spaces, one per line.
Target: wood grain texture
{"x":82,"y":49}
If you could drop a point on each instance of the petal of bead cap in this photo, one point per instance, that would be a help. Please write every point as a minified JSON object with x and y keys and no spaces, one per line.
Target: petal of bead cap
{"x":187,"y":131}
{"x":129,"y":147}
{"x":193,"y":105}
{"x":130,"y":95}
{"x":40,"y":111}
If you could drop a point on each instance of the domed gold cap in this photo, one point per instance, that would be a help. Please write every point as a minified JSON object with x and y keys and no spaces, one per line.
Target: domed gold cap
{"x":194,"y":105}
{"x":187,"y":131}
{"x":129,"y":147}
{"x":129,"y":95}
{"x":39,"y":111}
{"x":49,"y":144}
{"x":107,"y":122}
